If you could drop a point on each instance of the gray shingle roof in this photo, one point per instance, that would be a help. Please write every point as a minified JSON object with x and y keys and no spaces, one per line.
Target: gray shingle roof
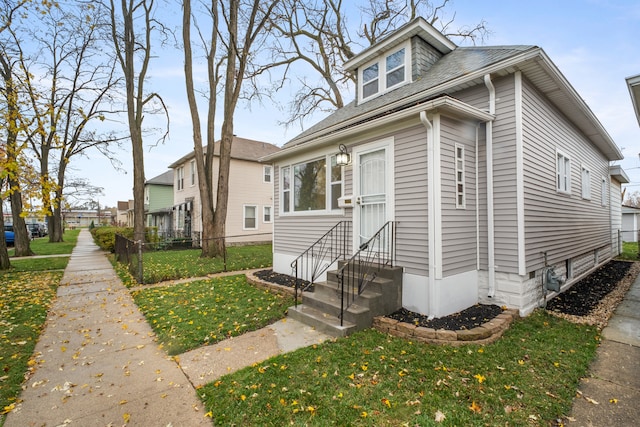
{"x":241,"y":149}
{"x":456,"y":64}
{"x":165,"y":178}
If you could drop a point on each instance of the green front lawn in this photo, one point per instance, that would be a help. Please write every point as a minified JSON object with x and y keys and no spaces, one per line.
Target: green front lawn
{"x":25,"y":298}
{"x":193,"y":314}
{"x":528,"y":377}
{"x":179,"y":264}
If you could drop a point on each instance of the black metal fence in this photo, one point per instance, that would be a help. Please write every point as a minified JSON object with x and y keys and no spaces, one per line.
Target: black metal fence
{"x":131,"y":253}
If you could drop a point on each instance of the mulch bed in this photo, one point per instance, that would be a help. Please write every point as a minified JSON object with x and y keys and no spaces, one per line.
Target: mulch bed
{"x":280,"y":279}
{"x":591,"y":300}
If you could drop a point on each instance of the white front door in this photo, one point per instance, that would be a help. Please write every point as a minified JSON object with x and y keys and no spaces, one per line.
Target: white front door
{"x":373,"y":187}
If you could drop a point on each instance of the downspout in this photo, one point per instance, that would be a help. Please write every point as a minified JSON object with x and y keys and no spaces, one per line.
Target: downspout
{"x":477,"y":204}
{"x":430,"y":214}
{"x":490,"y":211}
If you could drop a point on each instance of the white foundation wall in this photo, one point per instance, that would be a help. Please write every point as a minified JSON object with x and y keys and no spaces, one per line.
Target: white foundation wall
{"x":526,"y":294}
{"x":451,"y":294}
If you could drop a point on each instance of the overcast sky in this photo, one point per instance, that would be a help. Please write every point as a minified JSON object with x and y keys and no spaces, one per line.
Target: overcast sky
{"x":594,"y":43}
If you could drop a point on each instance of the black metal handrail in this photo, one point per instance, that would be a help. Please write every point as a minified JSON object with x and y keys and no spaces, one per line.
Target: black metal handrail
{"x":315,"y":260}
{"x":363,"y":267}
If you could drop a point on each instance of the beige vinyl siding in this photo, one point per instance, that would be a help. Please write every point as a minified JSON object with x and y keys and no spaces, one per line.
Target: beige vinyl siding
{"x":459,"y":249}
{"x":411,"y":204}
{"x":563,"y":225}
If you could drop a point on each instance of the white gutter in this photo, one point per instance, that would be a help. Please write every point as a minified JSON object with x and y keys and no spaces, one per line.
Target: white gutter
{"x":444,"y":103}
{"x":606,"y":144}
{"x":430,"y":217}
{"x":490,"y":212}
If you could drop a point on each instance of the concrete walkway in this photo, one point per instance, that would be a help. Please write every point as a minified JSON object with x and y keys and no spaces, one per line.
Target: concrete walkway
{"x":610,"y":395}
{"x":97,"y":361}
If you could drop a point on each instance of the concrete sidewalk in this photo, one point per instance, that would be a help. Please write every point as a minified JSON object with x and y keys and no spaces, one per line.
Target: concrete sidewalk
{"x":97,"y":361}
{"x":610,"y":395}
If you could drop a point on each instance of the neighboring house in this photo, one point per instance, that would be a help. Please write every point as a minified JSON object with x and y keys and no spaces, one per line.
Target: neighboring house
{"x":125,"y":213}
{"x":486,"y":159}
{"x":250,"y":203}
{"x":158,"y":202}
{"x":618,"y":177}
{"x":630,"y":223}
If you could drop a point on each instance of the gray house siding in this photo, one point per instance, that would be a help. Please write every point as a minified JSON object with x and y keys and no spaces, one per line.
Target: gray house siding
{"x":411,"y":205}
{"x":562,"y":225}
{"x":459,"y":248}
{"x":504,"y":177}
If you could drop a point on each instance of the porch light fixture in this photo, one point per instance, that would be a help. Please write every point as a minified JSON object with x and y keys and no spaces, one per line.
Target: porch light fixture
{"x":343,"y":158}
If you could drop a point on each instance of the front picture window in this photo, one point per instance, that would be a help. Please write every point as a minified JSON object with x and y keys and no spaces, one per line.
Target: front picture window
{"x":309,"y":182}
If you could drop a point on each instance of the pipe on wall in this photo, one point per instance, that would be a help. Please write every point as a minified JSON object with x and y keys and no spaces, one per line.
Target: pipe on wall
{"x":490,"y":208}
{"x":430,"y":217}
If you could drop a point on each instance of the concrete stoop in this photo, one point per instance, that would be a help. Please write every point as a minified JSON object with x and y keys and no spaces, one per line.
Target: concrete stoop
{"x":321,"y":308}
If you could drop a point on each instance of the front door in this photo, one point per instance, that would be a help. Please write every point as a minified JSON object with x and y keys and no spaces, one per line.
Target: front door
{"x":373,"y":185}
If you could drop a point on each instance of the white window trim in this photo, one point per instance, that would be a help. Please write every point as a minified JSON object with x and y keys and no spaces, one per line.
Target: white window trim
{"x":290,"y":166}
{"x":264,"y":211}
{"x":585,"y":182}
{"x":567,"y":174}
{"x":244,"y":216}
{"x":180,"y":178}
{"x":459,"y":205}
{"x":382,"y":72}
{"x":264,"y":174}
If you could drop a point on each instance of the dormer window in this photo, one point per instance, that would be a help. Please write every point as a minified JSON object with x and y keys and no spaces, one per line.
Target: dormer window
{"x":385,"y":73}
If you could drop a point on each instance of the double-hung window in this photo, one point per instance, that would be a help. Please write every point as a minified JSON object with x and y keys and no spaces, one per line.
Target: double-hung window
{"x":193,"y":173}
{"x":310,"y":187}
{"x":385,"y":73}
{"x":266,"y":176}
{"x":563,"y":173}
{"x":180,"y":178}
{"x":460,"y":187}
{"x":250,"y":217}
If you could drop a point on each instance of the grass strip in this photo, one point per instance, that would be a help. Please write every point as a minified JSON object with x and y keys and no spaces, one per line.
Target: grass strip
{"x":25,"y":298}
{"x":528,"y":377}
{"x":189,"y":315}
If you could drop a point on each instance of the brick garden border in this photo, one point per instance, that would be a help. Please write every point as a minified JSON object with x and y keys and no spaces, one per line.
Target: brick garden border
{"x":263,"y":284}
{"x":485,"y":334}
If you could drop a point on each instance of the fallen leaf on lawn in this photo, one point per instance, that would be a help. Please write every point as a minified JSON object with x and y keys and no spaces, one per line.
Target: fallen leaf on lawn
{"x":475,"y":407}
{"x":613,"y":400}
{"x":126,"y":417}
{"x":440,"y":417}
{"x":590,"y":400}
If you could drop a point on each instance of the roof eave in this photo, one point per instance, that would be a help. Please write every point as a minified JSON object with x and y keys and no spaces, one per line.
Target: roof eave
{"x":619,"y":174}
{"x":443,"y":104}
{"x":633,"y":83}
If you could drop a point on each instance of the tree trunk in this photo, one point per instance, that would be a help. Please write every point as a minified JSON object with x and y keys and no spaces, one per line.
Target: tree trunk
{"x":22,"y":235}
{"x":5,"y":263}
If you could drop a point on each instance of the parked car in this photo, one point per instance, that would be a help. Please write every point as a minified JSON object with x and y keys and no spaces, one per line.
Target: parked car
{"x":9,"y":235}
{"x":37,"y":230}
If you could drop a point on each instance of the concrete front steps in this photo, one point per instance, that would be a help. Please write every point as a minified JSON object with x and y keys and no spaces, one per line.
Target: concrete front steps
{"x":321,"y":308}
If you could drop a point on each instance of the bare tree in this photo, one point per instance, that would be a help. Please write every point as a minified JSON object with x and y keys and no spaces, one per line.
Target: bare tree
{"x":132,"y":44}
{"x":317,"y":35}
{"x":73,"y":89}
{"x":233,"y":46}
{"x":10,"y":122}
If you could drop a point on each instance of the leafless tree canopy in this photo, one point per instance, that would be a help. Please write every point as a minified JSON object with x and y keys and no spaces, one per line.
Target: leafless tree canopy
{"x":317,"y":38}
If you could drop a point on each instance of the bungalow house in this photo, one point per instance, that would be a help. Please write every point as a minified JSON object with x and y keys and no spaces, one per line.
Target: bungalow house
{"x":250,"y":205}
{"x":485,"y":171}
{"x":158,"y":202}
